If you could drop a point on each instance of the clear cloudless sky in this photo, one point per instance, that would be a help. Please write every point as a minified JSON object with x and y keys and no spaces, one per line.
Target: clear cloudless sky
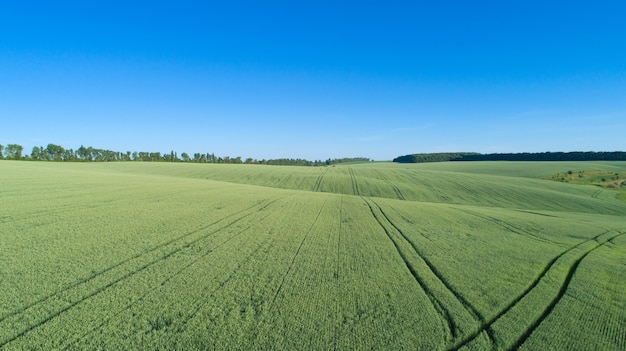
{"x":314,"y":80}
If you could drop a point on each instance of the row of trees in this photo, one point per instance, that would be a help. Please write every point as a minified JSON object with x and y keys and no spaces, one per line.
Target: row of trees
{"x":526,"y":156}
{"x":433,"y":157}
{"x":53,"y":152}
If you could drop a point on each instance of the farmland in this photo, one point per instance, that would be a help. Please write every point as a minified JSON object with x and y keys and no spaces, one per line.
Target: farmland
{"x":448,"y":256}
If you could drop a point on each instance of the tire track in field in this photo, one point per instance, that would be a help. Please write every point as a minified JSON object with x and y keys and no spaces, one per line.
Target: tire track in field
{"x":393,"y":186}
{"x":206,"y":298}
{"x":318,"y":182}
{"x":339,"y":236}
{"x":134,"y":257}
{"x":125,"y":276}
{"x":528,"y":289}
{"x":537,"y":213}
{"x":507,"y":226}
{"x":438,"y":275}
{"x":436,"y":303}
{"x":110,"y":284}
{"x":355,"y":186}
{"x":154,"y":248}
{"x":283,"y":182}
{"x":172,"y":276}
{"x":69,"y":207}
{"x":338,"y":285}
{"x":282,"y":283}
{"x":546,"y":312}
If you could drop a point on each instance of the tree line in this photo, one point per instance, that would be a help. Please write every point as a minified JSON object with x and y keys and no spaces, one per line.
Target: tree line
{"x":433,"y":157}
{"x":526,"y":156}
{"x":53,"y":152}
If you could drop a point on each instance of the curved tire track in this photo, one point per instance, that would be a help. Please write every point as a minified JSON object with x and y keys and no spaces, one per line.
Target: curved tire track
{"x":533,"y":284}
{"x":438,"y":305}
{"x":318,"y":182}
{"x":506,"y":226}
{"x":546,"y":312}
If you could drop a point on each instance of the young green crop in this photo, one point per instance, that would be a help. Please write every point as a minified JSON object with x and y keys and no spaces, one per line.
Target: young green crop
{"x":369,"y":256}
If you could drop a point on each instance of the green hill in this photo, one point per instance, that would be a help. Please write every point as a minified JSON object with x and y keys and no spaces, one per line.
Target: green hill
{"x":481,"y":255}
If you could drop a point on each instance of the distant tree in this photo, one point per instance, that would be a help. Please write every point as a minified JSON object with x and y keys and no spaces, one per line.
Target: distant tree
{"x":55,"y":152}
{"x":13,"y":151}
{"x":81,"y":153}
{"x":69,"y":155}
{"x":44,"y":153}
{"x":155,"y":156}
{"x":1,"y":148}
{"x":36,"y":153}
{"x":185,"y":157}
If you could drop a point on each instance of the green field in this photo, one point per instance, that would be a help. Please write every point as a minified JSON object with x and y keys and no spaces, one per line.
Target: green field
{"x":376,"y":256}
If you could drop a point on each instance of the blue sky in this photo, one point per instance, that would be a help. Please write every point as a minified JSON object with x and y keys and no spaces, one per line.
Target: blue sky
{"x":270,"y":79}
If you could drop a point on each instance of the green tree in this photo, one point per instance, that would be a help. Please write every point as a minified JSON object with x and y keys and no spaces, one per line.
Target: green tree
{"x":1,"y":148}
{"x":81,"y":153}
{"x":44,"y":153}
{"x":36,"y":153}
{"x":69,"y":155}
{"x":155,"y":156}
{"x":13,"y":151}
{"x":185,"y":157}
{"x":55,"y":152}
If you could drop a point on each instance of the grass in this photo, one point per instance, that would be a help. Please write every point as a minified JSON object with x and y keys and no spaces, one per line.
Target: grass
{"x":359,"y":256}
{"x":605,"y":179}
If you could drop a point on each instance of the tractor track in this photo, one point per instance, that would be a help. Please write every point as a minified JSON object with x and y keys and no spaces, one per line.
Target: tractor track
{"x":172,"y":276}
{"x":507,"y":226}
{"x":355,"y":186}
{"x":125,"y":276}
{"x":282,"y":283}
{"x":435,"y":301}
{"x":533,"y":284}
{"x":318,"y":182}
{"x":563,"y":289}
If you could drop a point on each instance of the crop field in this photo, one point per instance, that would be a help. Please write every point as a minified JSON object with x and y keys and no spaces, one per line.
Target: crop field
{"x":376,"y":256}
